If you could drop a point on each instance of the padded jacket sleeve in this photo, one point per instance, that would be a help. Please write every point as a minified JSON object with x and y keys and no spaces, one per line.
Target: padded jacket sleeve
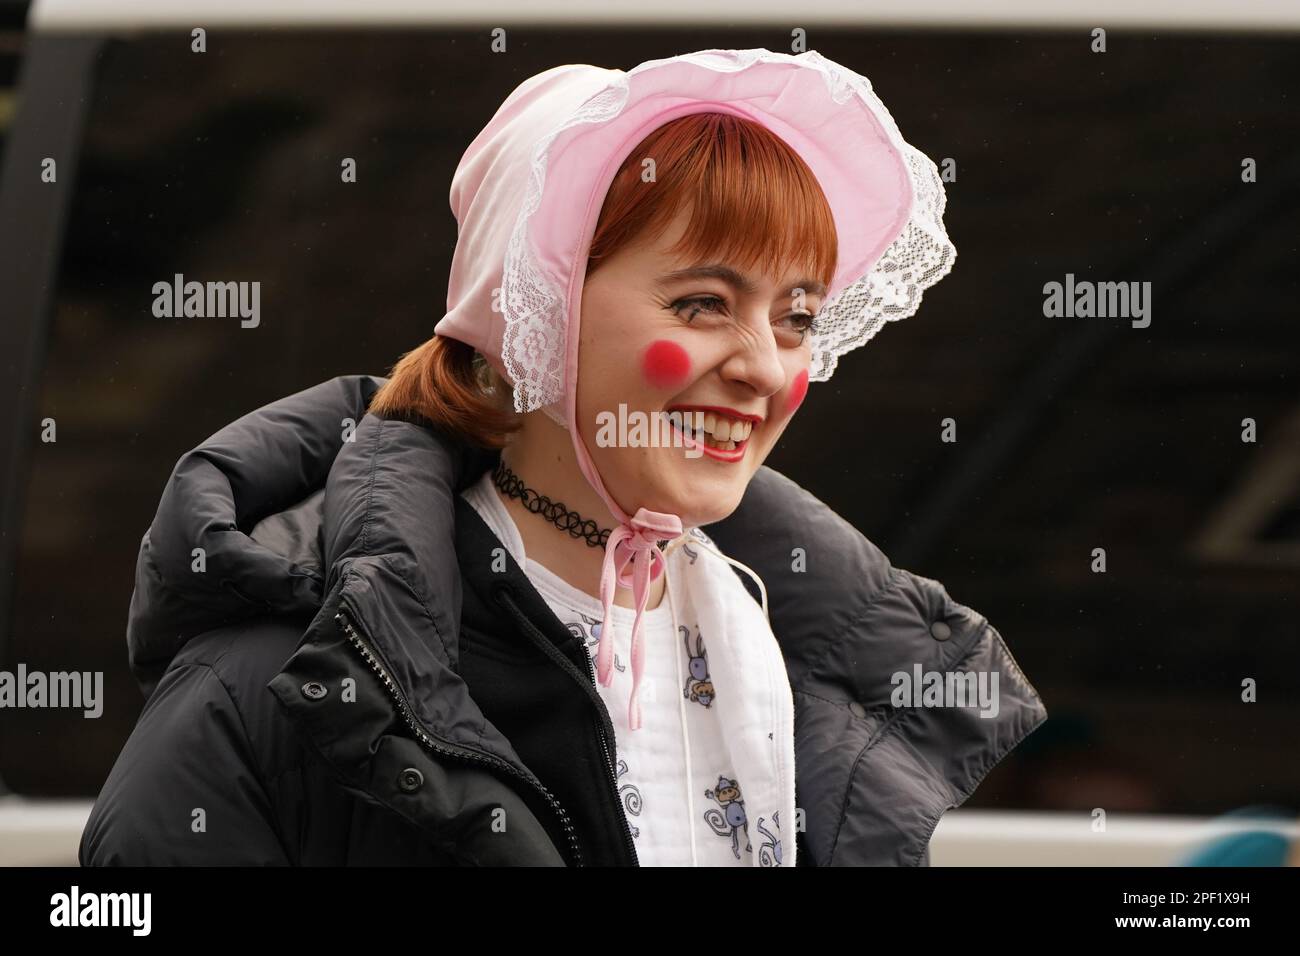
{"x":185,"y":790}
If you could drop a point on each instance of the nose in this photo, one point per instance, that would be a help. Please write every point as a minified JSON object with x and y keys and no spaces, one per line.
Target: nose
{"x":755,"y":362}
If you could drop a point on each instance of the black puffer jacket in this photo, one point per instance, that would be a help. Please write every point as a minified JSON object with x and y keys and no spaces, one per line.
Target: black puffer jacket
{"x":337,"y":676}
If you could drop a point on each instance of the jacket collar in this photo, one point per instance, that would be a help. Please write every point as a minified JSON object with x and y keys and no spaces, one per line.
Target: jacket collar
{"x":389,"y":539}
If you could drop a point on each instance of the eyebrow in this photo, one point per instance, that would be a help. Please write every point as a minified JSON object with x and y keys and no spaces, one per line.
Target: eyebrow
{"x":733,"y":278}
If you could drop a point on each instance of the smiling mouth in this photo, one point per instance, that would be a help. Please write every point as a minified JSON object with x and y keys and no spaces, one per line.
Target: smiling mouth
{"x":720,"y":436}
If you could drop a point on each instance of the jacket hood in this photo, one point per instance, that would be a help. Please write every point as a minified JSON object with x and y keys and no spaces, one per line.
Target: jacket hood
{"x":202,"y":565}
{"x":377,"y":541}
{"x":262,"y":517}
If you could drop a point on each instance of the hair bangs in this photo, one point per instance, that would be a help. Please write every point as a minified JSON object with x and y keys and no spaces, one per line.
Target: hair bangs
{"x":752,"y":200}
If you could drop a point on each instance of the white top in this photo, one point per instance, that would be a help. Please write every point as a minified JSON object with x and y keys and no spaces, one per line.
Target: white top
{"x":675,"y":774}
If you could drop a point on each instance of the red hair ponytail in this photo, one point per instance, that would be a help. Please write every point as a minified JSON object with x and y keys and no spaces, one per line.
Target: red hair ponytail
{"x":450,"y":386}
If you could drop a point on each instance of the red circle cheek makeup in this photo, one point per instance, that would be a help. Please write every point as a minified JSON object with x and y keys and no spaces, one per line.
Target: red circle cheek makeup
{"x":665,"y":364}
{"x":798,"y":389}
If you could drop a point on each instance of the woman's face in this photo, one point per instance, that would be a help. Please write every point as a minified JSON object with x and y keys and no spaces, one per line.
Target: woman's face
{"x":702,"y":345}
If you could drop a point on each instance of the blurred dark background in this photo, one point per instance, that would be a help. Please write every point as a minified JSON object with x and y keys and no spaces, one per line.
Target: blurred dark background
{"x":1072,"y":434}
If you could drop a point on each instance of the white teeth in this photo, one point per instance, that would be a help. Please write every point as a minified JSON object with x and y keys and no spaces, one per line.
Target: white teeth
{"x":722,"y":432}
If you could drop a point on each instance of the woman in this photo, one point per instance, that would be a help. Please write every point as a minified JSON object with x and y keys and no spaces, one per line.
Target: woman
{"x":521,"y":646}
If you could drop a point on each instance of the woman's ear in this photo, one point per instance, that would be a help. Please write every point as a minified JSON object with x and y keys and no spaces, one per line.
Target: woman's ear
{"x":493,"y":382}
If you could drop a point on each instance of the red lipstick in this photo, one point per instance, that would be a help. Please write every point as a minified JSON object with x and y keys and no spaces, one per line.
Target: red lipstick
{"x":721,"y":409}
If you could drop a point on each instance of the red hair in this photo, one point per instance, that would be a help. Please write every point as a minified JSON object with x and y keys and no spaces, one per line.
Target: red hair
{"x":753,"y":203}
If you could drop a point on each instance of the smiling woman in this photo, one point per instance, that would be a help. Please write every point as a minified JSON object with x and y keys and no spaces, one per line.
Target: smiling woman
{"x":713,"y":252}
{"x":495,"y":590}
{"x":714,"y":247}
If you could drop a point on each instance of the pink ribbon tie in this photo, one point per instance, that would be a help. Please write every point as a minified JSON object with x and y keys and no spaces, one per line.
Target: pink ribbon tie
{"x":633,"y":560}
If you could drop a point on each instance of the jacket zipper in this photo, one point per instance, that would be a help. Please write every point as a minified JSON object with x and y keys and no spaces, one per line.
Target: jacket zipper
{"x":613,"y":770}
{"x":607,"y":731}
{"x":372,"y":657}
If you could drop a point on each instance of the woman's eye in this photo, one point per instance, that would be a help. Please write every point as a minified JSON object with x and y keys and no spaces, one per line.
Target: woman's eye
{"x":709,"y":304}
{"x":793,"y":327}
{"x":800,"y":323}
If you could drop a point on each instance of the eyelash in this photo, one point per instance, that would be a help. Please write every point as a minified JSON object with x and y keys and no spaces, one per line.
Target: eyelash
{"x":677,"y":306}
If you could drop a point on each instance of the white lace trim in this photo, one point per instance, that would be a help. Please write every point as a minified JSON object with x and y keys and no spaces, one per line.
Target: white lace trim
{"x":533,"y":349}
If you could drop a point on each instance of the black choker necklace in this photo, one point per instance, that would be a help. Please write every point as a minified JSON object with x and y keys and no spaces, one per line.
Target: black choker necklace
{"x":552,"y":511}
